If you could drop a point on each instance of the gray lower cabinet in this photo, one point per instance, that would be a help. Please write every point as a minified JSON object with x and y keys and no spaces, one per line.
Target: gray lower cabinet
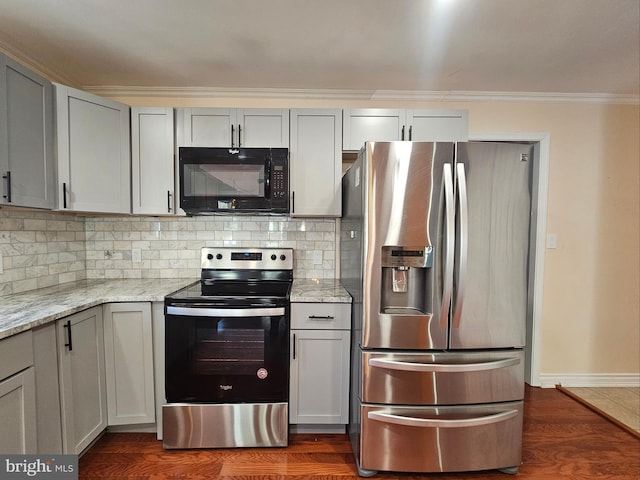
{"x":18,"y":433}
{"x":48,"y":419}
{"x":319,"y":377}
{"x":83,"y":395}
{"x":128,"y":351}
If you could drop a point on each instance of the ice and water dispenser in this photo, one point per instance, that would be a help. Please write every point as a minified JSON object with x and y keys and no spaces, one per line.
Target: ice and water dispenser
{"x":406,"y":281}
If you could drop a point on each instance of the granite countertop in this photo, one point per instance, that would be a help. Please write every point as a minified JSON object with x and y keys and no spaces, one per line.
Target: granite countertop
{"x":23,"y":311}
{"x":323,"y":290}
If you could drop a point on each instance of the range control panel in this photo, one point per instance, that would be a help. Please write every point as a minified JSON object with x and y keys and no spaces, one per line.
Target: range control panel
{"x":217,"y":258}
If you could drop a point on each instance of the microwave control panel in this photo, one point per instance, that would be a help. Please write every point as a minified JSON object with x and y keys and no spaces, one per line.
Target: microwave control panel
{"x":279,"y":179}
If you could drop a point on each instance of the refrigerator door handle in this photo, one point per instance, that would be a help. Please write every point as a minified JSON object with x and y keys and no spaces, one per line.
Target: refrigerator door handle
{"x":435,"y":423}
{"x":449,"y":230}
{"x":442,"y":367}
{"x":463,"y":242}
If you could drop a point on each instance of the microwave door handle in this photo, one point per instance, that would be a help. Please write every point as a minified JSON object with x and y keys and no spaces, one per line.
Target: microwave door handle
{"x":267,"y":178}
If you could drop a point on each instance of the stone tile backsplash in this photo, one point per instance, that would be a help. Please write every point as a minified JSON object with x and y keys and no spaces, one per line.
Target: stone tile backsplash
{"x":40,"y":249}
{"x":47,"y":248}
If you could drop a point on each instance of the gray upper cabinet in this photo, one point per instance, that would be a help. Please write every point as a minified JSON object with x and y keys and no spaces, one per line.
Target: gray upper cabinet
{"x":231,"y":127}
{"x":94,"y":154}
{"x":152,"y":161}
{"x":316,"y":162}
{"x":386,"y":125}
{"x":26,"y":137}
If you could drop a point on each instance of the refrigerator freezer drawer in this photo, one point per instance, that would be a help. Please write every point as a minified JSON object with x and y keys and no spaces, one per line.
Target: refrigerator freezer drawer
{"x":445,"y":378}
{"x":441,"y":439}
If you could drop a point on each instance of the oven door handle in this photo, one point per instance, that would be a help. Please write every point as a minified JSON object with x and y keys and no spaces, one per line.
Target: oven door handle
{"x":225,"y":312}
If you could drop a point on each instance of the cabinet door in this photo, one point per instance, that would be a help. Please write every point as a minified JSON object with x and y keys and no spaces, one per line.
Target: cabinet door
{"x":262,"y":127}
{"x":93,"y":152}
{"x":27,"y":138}
{"x":18,"y":414}
{"x":128,"y":353}
{"x":152,"y":172}
{"x":208,"y":127}
{"x":316,"y":162}
{"x":319,"y":387}
{"x":372,"y":125}
{"x":82,"y":379}
{"x":48,"y":419}
{"x":437,"y":125}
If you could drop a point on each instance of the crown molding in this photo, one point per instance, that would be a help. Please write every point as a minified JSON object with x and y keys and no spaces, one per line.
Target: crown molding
{"x":40,"y":68}
{"x":346,"y":94}
{"x":316,"y":94}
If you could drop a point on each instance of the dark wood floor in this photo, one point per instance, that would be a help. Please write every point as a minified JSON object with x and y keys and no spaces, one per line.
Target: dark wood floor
{"x":562,"y":439}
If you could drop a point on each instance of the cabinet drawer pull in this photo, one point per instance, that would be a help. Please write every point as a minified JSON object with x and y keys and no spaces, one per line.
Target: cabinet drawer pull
{"x":169,"y":201}
{"x":321,"y":317}
{"x":64,"y":195}
{"x":8,"y":178}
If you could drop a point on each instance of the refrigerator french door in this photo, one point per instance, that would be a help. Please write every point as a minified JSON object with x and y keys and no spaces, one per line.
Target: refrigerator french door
{"x":434,"y":251}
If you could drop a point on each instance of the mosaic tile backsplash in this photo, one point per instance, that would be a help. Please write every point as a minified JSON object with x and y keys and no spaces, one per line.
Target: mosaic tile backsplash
{"x":48,"y":248}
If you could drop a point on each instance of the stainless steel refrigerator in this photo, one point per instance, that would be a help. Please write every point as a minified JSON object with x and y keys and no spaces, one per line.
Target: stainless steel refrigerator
{"x":434,"y":250}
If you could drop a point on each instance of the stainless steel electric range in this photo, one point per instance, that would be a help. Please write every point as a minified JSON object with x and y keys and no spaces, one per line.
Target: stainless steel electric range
{"x":227,"y":352}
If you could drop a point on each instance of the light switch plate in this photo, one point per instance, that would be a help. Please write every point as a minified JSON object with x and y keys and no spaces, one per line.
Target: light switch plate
{"x":136,"y":255}
{"x":552,"y":241}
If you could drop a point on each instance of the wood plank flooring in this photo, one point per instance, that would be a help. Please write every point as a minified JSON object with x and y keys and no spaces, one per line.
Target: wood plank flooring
{"x":562,"y":439}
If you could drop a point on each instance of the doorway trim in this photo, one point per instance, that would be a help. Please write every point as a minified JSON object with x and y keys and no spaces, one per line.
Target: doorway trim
{"x":539,"y":195}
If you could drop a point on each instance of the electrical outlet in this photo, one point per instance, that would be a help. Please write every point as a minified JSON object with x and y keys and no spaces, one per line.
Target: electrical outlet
{"x":317,"y":257}
{"x":136,"y":255}
{"x":552,"y":241}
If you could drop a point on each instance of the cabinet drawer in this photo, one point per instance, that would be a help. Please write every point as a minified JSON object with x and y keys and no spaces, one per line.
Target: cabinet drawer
{"x":441,"y":439}
{"x":319,"y":316}
{"x":16,"y":353}
{"x":442,"y":378}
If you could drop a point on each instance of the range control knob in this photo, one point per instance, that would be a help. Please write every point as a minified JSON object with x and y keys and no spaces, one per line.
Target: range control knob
{"x":273,"y":257}
{"x":283,"y":257}
{"x":209,"y":256}
{"x":219,"y":256}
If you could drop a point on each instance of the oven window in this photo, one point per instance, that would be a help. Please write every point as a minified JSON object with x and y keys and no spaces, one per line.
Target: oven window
{"x":228,"y":349}
{"x":224,"y":180}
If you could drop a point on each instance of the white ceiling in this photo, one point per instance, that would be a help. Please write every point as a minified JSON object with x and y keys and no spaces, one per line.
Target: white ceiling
{"x":534,"y":46}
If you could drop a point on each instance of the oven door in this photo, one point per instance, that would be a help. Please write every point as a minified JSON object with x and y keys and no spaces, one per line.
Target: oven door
{"x":226,"y":355}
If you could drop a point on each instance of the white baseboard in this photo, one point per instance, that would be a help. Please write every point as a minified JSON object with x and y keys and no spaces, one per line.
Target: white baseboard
{"x":590,"y":380}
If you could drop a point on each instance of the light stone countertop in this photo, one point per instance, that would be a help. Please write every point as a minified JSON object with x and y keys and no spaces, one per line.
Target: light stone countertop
{"x":323,"y":290}
{"x":23,"y":311}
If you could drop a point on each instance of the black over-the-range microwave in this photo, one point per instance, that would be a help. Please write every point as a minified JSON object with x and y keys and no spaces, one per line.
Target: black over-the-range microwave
{"x":234,"y":180}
